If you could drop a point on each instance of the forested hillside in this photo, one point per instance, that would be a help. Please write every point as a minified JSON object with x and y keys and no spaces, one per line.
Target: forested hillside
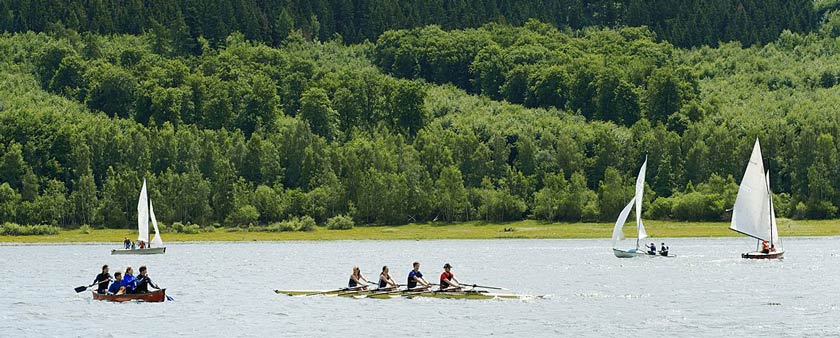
{"x":684,"y":23}
{"x":495,"y":123}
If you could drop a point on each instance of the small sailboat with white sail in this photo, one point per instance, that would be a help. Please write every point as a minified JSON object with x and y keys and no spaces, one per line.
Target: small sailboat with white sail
{"x":144,"y":212}
{"x":753,"y":214}
{"x":618,"y":232}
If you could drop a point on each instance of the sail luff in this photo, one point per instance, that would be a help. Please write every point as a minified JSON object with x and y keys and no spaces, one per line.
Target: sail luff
{"x":143,"y":214}
{"x":640,"y":191}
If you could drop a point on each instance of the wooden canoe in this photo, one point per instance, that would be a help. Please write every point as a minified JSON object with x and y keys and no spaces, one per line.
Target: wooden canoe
{"x":156,"y":296}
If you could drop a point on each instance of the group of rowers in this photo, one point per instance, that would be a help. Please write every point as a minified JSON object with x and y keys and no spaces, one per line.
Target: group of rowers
{"x":415,"y":281}
{"x":123,"y":283}
{"x":663,"y":250}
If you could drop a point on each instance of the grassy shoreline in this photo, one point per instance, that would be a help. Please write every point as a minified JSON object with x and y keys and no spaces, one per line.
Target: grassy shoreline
{"x":528,"y":229}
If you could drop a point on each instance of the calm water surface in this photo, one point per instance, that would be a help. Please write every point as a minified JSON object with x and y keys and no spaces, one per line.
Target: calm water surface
{"x":226,"y":290}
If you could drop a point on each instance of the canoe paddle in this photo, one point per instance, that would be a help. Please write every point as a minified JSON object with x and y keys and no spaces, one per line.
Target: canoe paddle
{"x":483,"y":287}
{"x":83,"y":288}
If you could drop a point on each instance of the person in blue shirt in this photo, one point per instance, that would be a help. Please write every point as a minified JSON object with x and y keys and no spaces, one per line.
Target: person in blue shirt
{"x":117,"y":284}
{"x":415,"y":277}
{"x":129,"y":280}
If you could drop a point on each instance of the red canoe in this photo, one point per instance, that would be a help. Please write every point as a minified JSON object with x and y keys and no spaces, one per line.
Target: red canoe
{"x":154,"y":296}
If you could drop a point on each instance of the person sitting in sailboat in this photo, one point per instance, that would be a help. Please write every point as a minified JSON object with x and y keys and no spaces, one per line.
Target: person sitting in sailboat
{"x":651,"y":248}
{"x":663,"y":250}
{"x":765,"y":247}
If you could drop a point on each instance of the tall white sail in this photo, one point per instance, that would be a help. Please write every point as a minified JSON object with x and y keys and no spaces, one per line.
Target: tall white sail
{"x":751,"y":214}
{"x":640,"y":191}
{"x":143,"y":214}
{"x":774,"y":231}
{"x":618,"y":233}
{"x":156,"y":240}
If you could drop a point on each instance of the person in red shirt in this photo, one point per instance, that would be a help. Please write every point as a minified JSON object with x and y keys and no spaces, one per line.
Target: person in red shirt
{"x":448,"y":282}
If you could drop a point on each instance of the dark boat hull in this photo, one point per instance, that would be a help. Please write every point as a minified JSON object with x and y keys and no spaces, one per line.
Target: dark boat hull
{"x":156,"y":296}
{"x":760,"y":255}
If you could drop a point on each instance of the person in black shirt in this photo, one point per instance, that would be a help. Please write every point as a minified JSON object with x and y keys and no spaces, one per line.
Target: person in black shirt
{"x":143,"y":281}
{"x":102,"y":279}
{"x":127,"y":243}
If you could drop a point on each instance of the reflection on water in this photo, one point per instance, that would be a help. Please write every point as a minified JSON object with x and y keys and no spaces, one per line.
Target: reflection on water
{"x":226,"y":289}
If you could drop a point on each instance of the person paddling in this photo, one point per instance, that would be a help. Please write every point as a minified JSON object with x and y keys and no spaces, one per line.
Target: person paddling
{"x":357,"y":281}
{"x":143,"y":281}
{"x":385,"y":280}
{"x":102,"y":279}
{"x":448,"y":282}
{"x":663,"y":250}
{"x":128,"y":280}
{"x":116,"y":287}
{"x":415,"y":277}
{"x":651,"y":248}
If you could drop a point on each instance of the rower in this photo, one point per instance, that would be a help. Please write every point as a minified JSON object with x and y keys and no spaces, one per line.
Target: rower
{"x":448,"y":282}
{"x":129,"y":280}
{"x":102,"y":279}
{"x":415,"y":277}
{"x":143,"y":281}
{"x":117,"y":285}
{"x":385,"y":280}
{"x":356,"y":280}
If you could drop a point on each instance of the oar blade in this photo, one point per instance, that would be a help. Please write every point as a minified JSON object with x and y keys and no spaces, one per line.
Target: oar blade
{"x":80,"y":289}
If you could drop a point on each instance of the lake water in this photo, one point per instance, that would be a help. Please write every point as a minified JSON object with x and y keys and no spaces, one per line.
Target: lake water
{"x":226,"y":290}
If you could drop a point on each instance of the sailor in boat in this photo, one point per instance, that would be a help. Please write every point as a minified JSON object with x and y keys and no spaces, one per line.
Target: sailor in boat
{"x":142,"y":245}
{"x":651,"y":248}
{"x":143,"y":281}
{"x":448,"y":282}
{"x":663,"y":250}
{"x":765,"y":247}
{"x":385,"y":280}
{"x":102,"y":279}
{"x":415,"y":277}
{"x":357,"y":281}
{"x":117,"y":285}
{"x":129,"y":280}
{"x":132,"y":246}
{"x":127,"y":243}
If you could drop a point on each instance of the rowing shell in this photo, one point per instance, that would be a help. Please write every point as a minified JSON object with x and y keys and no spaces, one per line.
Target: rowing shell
{"x":470,"y":294}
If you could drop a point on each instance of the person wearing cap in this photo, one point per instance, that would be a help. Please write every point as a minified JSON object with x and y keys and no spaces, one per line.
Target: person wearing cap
{"x":415,"y":277}
{"x":448,"y":282}
{"x":356,"y":280}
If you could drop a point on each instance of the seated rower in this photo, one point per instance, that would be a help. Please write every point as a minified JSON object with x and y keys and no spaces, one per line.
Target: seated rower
{"x":651,"y":248}
{"x":102,"y":280}
{"x":663,"y":250}
{"x":415,"y":279}
{"x":116,"y":287}
{"x":448,"y":282}
{"x":143,"y":281}
{"x":129,"y":280}
{"x":385,"y":280}
{"x":356,"y":280}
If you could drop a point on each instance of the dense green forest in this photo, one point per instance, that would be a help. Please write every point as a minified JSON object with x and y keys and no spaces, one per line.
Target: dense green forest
{"x":683,"y":23}
{"x":500,"y":122}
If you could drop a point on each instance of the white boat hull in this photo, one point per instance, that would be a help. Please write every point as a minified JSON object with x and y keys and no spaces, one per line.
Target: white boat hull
{"x":146,"y":251}
{"x":634,"y":253}
{"x":761,"y":255}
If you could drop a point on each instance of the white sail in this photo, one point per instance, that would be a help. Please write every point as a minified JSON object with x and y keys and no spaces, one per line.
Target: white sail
{"x":618,"y":233}
{"x":143,"y":214}
{"x":156,"y":240}
{"x":640,"y":191}
{"x":774,"y":231}
{"x":751,"y":214}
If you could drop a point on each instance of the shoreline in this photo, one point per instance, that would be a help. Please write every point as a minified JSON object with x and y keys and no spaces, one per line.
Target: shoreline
{"x":528,"y":229}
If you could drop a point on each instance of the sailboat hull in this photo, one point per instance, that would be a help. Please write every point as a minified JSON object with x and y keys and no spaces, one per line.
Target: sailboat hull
{"x":761,"y":255}
{"x":145,"y":251}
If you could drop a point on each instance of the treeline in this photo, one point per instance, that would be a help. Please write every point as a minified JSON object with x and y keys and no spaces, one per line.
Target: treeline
{"x":246,"y":134}
{"x":619,"y":76}
{"x":683,"y":23}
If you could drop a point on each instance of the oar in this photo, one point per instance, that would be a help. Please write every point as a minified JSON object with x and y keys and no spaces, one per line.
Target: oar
{"x":329,"y":291}
{"x":83,"y":288}
{"x":483,"y":287}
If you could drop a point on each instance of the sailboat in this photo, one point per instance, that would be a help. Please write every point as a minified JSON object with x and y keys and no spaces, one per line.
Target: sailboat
{"x":144,"y":211}
{"x":618,"y":232}
{"x":753,"y":214}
